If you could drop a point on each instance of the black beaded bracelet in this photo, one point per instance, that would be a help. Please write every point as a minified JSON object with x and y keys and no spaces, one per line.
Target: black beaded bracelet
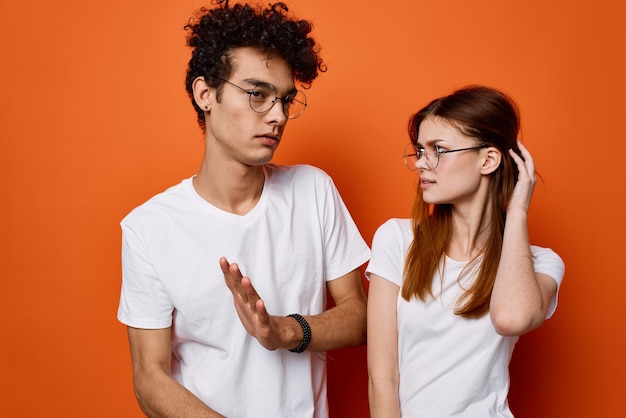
{"x":305,"y":329}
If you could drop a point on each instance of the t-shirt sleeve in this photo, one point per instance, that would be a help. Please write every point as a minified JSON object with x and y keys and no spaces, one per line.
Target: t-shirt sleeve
{"x":144,"y":303}
{"x":346,"y":249}
{"x":388,"y":252}
{"x":548,"y":262}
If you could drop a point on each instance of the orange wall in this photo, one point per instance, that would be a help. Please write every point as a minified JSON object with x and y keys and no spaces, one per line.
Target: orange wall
{"x":94,"y":120}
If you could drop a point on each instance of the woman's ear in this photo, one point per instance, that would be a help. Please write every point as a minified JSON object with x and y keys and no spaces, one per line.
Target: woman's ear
{"x":491,"y":161}
{"x":203,"y":94}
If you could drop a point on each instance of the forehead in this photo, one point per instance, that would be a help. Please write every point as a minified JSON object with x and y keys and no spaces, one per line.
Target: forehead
{"x":251,"y":64}
{"x":434,"y":129}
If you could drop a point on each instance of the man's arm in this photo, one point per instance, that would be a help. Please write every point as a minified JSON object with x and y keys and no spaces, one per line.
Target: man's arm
{"x":158,"y":394}
{"x":344,"y":325}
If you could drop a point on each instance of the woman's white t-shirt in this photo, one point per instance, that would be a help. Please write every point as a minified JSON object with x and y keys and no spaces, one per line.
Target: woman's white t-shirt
{"x":450,"y":366}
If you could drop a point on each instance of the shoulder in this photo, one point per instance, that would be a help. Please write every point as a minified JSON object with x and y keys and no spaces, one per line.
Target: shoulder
{"x":547,"y":261}
{"x":389,"y":248}
{"x":297,"y":171}
{"x":160,"y":204}
{"x":395,"y":227}
{"x":394,"y":230}
{"x":544,"y":254}
{"x":300,"y":178}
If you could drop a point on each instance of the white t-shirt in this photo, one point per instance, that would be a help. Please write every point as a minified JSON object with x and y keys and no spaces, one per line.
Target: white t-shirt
{"x":299,"y":236}
{"x":450,"y":366}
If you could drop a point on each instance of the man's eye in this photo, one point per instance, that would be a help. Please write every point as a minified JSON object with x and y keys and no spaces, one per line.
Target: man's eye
{"x":257,"y":94}
{"x":440,"y":150}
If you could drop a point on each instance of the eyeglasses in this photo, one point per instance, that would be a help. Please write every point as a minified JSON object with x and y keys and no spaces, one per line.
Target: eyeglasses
{"x":262,"y":98}
{"x":412,"y":154}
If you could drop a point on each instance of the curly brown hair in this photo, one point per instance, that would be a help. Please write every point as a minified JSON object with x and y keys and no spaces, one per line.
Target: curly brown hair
{"x":215,"y":32}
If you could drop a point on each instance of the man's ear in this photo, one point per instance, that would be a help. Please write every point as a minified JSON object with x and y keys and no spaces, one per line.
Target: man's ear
{"x":492,"y":158}
{"x":203,"y":94}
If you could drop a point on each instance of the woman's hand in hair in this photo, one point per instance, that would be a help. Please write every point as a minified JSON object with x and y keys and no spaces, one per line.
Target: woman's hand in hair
{"x":525,"y":185}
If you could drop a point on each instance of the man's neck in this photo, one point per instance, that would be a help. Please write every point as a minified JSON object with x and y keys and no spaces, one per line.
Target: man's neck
{"x":234,"y":188}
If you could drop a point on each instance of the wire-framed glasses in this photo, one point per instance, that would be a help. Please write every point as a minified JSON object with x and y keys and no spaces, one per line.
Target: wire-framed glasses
{"x":262,"y":98}
{"x":412,"y":154}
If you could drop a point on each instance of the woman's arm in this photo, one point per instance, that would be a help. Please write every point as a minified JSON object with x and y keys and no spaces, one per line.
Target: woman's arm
{"x":382,"y":348}
{"x":520,"y":297}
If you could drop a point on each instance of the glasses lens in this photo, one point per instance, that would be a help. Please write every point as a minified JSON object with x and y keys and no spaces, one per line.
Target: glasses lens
{"x":294,"y":105}
{"x":262,"y":99}
{"x":410,"y":157}
{"x":432,"y":157}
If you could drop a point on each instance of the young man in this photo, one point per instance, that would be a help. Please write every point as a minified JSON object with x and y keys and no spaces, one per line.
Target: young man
{"x":225,"y":274}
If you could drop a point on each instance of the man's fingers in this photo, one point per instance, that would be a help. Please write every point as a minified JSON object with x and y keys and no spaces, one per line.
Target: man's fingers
{"x":264,"y":317}
{"x":224,"y":265}
{"x":250,"y":293}
{"x":232,"y":274}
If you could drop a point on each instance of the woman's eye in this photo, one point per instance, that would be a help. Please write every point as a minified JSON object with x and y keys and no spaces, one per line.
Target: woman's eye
{"x":440,"y":150}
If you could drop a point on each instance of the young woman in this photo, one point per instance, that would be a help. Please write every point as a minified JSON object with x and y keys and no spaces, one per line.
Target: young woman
{"x":452,"y":288}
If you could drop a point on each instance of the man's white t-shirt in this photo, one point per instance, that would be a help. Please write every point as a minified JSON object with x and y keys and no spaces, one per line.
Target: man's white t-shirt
{"x":450,"y":366}
{"x":299,"y":236}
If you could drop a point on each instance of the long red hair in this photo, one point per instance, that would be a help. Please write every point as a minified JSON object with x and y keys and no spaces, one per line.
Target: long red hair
{"x":491,"y":118}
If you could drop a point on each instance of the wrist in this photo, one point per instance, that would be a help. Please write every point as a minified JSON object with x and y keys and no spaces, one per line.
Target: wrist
{"x":306,"y":331}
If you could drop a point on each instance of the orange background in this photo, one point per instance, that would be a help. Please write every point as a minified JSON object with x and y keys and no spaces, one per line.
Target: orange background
{"x":94,"y":120}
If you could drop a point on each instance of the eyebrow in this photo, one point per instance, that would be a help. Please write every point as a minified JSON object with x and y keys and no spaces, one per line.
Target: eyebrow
{"x":255,"y":82}
{"x":430,"y":142}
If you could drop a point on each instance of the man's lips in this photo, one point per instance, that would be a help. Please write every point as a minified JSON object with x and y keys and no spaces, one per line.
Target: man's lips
{"x":269,"y":139}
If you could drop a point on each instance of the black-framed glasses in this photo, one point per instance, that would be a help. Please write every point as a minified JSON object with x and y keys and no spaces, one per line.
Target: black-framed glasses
{"x":412,"y":154}
{"x":262,"y":98}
